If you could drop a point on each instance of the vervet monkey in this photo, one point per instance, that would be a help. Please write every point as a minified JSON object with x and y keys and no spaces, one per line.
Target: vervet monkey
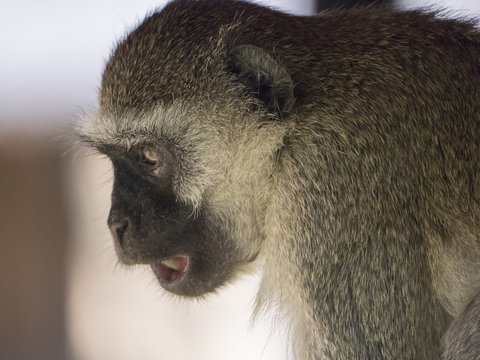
{"x":338,"y":152}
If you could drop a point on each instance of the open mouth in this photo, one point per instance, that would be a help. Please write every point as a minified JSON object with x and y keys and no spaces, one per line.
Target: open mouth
{"x":172,"y":270}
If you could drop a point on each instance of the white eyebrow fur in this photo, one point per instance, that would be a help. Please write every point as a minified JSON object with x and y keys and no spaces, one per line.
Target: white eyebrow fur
{"x":165,"y":123}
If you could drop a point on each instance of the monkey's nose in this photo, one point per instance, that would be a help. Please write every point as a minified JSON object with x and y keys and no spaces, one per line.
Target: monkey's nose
{"x":118,"y":229}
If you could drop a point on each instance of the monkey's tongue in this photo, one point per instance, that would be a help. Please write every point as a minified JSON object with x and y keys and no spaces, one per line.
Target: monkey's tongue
{"x":171,"y":270}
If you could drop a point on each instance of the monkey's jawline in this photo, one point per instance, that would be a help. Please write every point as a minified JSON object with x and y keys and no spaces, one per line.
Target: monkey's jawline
{"x":172,"y":270}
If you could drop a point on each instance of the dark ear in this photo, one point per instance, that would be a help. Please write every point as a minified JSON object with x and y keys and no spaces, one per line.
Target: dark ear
{"x":264,"y":77}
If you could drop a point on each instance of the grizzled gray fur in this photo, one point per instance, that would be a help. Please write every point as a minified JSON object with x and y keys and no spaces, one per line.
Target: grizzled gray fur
{"x":339,"y":153}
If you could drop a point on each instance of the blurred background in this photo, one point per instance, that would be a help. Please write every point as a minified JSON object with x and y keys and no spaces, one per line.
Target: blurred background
{"x":62,"y":295}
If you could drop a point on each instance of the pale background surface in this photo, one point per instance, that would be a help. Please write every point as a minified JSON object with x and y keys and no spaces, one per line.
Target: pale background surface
{"x":53,"y":53}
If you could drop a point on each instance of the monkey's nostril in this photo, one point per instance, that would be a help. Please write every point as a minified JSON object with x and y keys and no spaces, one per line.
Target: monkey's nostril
{"x":119,"y":229}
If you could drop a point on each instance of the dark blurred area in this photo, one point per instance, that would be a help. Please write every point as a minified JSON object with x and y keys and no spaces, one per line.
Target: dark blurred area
{"x":32,"y":248}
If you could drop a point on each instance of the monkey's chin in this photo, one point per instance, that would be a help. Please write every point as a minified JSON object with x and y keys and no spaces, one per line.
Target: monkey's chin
{"x":171,"y":271}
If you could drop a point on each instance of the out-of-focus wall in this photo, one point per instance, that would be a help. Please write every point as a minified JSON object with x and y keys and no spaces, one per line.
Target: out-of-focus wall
{"x":454,"y":7}
{"x":32,"y":249}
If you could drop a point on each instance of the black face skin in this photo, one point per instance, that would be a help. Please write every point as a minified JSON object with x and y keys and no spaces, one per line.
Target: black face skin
{"x":148,"y":224}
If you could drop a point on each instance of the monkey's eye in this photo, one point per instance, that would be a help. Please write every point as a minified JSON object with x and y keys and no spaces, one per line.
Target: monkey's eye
{"x":150,"y":154}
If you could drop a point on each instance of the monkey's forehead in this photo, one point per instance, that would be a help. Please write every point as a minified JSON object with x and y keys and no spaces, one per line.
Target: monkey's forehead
{"x":162,"y":60}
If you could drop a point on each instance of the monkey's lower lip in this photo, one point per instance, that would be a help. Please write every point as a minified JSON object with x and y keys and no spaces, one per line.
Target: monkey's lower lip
{"x":172,"y":270}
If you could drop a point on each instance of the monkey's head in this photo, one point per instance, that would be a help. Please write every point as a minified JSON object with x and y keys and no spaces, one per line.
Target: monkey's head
{"x":192,"y":116}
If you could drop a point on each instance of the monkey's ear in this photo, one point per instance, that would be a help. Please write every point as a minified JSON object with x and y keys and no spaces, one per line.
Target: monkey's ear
{"x":264,"y":77}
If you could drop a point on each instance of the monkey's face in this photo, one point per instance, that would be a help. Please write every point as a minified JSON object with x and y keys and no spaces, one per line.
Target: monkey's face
{"x":187,"y":252}
{"x":192,"y":130}
{"x":151,"y":226}
{"x":191,"y":189}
